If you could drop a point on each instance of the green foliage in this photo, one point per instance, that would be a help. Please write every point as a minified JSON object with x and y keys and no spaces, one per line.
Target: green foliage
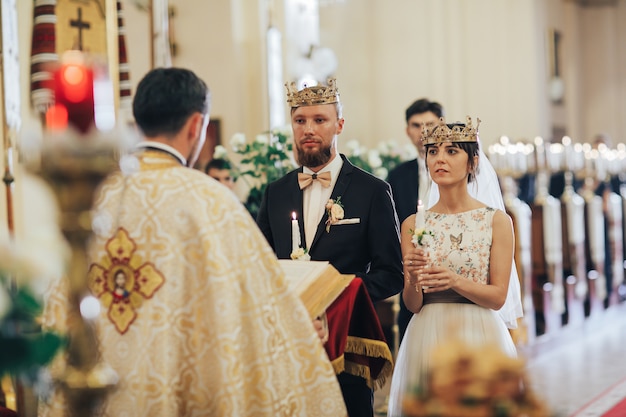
{"x":263,"y":161}
{"x":24,"y":347}
{"x":25,"y":352}
{"x":377,"y":161}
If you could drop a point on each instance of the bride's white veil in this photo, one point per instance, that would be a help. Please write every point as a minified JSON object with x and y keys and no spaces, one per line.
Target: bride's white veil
{"x":486,"y":189}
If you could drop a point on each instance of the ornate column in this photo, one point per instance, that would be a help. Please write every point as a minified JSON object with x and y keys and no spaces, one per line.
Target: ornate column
{"x":161,"y":54}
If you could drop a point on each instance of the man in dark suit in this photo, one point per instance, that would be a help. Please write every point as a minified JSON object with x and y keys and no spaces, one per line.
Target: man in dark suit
{"x":359,"y":235}
{"x":409,"y":180}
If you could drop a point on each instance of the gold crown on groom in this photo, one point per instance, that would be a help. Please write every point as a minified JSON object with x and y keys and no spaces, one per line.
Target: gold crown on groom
{"x":441,"y":132}
{"x":314,"y":95}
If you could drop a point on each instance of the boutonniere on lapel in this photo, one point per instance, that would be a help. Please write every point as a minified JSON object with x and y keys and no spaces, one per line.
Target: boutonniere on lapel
{"x":334,"y":210}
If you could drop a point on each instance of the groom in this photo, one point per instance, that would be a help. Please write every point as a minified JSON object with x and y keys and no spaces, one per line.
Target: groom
{"x":361,"y":236}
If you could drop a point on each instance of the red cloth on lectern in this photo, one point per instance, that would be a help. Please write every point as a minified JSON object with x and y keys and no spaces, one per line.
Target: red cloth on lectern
{"x":5,"y":412}
{"x":356,"y":342}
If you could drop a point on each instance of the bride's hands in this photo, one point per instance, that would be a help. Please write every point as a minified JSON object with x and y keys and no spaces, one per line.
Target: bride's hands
{"x":414,"y":262}
{"x":437,"y":278}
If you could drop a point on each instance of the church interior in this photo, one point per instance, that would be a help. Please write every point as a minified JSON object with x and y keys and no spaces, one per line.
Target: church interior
{"x":547,"y":78}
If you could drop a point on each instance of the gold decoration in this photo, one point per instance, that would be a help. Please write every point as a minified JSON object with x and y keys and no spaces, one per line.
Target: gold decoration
{"x":122,"y":280}
{"x":312,"y":96}
{"x":442,"y":133}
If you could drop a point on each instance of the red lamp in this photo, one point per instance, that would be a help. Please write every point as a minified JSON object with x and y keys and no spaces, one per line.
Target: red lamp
{"x":73,"y":90}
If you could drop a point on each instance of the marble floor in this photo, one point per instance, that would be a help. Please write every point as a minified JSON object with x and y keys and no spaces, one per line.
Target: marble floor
{"x":575,"y":367}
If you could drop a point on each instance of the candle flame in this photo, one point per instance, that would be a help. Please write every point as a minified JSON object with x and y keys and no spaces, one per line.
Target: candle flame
{"x":293,"y":215}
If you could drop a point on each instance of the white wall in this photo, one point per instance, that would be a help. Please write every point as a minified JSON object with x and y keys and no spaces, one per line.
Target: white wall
{"x":477,"y":58}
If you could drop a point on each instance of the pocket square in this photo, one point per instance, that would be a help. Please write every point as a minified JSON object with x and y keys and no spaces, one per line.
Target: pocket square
{"x":355,"y":220}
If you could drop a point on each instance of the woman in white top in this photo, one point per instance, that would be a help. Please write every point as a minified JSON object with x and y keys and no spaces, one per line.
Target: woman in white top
{"x":458,"y":278}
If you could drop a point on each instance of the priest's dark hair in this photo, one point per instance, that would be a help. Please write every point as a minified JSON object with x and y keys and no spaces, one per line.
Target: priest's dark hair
{"x":166,"y":98}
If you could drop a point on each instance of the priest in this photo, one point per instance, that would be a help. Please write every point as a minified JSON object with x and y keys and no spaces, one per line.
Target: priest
{"x":196,"y":317}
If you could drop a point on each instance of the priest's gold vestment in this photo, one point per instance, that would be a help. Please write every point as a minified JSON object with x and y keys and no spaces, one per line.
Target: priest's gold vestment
{"x":196,"y":317}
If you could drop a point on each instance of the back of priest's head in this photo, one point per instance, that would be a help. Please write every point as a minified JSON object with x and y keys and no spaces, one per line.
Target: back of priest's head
{"x":166,"y":98}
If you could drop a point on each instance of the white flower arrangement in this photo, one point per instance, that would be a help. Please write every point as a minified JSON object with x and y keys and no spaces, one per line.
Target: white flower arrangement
{"x":418,"y":236}
{"x":40,"y":253}
{"x":263,"y":139}
{"x":220,"y":152}
{"x":380,"y":160}
{"x":354,"y":148}
{"x":238,"y":141}
{"x":374,"y":159}
{"x":381,"y":172}
{"x":267,"y":158}
{"x":28,"y":263}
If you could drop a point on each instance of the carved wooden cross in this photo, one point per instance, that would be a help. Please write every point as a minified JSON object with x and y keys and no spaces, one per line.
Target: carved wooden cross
{"x":80,"y":24}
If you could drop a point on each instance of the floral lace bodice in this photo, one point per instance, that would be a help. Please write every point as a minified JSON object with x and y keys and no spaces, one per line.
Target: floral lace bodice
{"x":462,"y":241}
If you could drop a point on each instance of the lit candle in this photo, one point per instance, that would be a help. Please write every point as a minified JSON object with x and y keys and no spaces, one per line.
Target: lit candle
{"x":420,"y":225}
{"x":295,"y":232}
{"x":73,"y":89}
{"x":540,"y":153}
{"x":420,"y":221}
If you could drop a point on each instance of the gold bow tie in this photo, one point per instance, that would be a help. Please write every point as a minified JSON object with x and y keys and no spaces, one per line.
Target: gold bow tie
{"x":304,"y":180}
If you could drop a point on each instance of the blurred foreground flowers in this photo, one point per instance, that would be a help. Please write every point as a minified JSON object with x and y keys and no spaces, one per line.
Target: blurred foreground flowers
{"x":474,"y":382}
{"x":28,"y":262}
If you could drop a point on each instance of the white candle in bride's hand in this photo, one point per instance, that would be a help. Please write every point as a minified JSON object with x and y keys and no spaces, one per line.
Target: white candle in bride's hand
{"x":295,"y":232}
{"x":420,"y":225}
{"x":420,"y":221}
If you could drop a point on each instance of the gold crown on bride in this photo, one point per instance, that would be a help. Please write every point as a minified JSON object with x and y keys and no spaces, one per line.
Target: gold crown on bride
{"x":457,"y":133}
{"x":314,"y":95}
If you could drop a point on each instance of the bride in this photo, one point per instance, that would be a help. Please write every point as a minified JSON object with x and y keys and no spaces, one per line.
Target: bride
{"x":461,"y":285}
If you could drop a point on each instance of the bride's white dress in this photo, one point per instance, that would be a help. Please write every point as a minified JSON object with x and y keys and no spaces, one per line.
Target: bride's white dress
{"x":462,"y":242}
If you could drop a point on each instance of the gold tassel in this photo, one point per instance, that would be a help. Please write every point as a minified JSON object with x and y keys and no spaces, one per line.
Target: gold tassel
{"x":372,"y":349}
{"x":9,"y":392}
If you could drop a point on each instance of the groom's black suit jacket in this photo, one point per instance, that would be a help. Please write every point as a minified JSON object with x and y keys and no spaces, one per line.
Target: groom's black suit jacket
{"x":404,"y":181}
{"x":369,"y":249}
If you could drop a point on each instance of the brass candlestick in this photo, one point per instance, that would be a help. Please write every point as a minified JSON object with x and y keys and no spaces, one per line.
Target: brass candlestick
{"x":74,"y":167}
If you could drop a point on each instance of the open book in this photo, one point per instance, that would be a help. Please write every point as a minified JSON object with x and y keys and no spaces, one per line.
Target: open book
{"x":317,"y":283}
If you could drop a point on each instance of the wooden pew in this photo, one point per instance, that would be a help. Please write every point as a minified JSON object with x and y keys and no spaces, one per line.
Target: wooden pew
{"x":614,"y":207}
{"x":594,"y":248}
{"x":574,"y":263}
{"x":521,"y":216}
{"x":547,"y":260}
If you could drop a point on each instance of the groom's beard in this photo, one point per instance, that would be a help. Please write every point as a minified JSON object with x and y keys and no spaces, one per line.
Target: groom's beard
{"x":313,"y":159}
